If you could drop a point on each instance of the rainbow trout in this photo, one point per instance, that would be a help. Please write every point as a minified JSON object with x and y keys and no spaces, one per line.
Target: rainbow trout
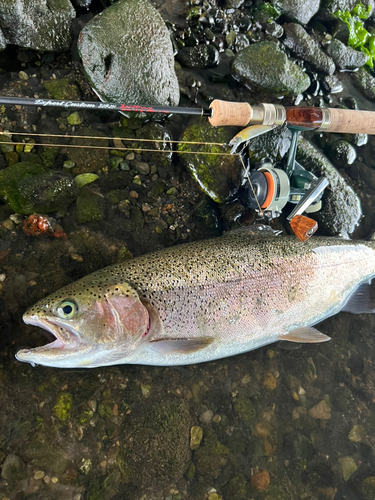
{"x":203,"y":301}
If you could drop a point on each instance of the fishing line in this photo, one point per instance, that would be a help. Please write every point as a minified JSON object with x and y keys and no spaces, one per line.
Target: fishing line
{"x":33,"y":144}
{"x":134,"y":139}
{"x":251,"y":186}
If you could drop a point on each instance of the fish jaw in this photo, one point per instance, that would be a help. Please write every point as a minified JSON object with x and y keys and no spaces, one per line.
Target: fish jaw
{"x":67,"y":351}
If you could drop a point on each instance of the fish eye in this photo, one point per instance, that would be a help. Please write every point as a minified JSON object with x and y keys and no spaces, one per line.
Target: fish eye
{"x":67,"y":309}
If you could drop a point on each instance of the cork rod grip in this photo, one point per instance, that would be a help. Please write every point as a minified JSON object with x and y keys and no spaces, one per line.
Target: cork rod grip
{"x":230,"y":113}
{"x":351,"y":121}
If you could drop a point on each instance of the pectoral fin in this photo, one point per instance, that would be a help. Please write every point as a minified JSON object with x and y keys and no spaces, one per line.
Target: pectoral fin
{"x":305,"y":335}
{"x":361,"y":301}
{"x":180,"y":346}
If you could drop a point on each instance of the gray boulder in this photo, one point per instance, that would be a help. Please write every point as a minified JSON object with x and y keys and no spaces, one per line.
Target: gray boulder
{"x":264,"y":66}
{"x":305,"y":47}
{"x":37,"y":24}
{"x":126,"y":63}
{"x":298,"y":10}
{"x":345,"y":57}
{"x":3,"y":42}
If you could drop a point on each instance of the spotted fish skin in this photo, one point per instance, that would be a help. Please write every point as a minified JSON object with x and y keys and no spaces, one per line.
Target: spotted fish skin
{"x":202,"y":301}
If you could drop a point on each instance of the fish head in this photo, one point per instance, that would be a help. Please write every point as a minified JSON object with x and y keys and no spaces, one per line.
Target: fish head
{"x":95,"y":321}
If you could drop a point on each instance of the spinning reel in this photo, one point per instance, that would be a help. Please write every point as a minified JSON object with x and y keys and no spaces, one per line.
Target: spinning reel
{"x":268,"y":189}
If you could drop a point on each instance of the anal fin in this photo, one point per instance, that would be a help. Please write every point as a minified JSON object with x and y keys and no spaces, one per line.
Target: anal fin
{"x":305,"y":335}
{"x":180,"y":346}
{"x":360,"y":301}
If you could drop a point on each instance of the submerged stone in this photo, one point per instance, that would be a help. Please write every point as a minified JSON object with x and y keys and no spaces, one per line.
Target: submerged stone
{"x":348,"y":466}
{"x":88,"y":159}
{"x":156,"y":445}
{"x":62,"y":89}
{"x":218,"y":176}
{"x":341,"y":208}
{"x":125,"y":63}
{"x":200,"y":56}
{"x":163,"y":137}
{"x":31,"y":188}
{"x":90,"y":207}
{"x":63,"y":405}
{"x":264,"y":66}
{"x":37,"y":24}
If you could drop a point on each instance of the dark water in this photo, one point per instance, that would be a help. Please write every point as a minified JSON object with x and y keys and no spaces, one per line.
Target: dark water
{"x":277,"y":423}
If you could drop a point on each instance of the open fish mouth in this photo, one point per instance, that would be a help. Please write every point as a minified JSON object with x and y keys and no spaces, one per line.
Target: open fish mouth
{"x":65,"y":341}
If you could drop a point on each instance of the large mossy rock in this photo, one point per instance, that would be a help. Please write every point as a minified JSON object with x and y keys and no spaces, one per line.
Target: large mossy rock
{"x":37,"y":24}
{"x":218,"y":176}
{"x":127,"y":55}
{"x":341,"y":209}
{"x":31,"y":188}
{"x":264,"y":66}
{"x":156,"y":446}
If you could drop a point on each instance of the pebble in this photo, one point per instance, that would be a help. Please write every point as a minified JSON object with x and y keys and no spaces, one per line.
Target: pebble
{"x":260,"y":480}
{"x":2,"y":277}
{"x":216,"y":418}
{"x":356,"y":434}
{"x":8,"y":224}
{"x":137,"y":180}
{"x":142,"y":168}
{"x":16,"y":218}
{"x":320,"y":411}
{"x":196,"y":436}
{"x":76,"y":257}
{"x":54,"y":479}
{"x":103,"y":464}
{"x":46,"y":479}
{"x":39,"y":474}
{"x":130,"y":156}
{"x":134,"y":194}
{"x":23,"y":75}
{"x":206,"y":417}
{"x":146,"y":207}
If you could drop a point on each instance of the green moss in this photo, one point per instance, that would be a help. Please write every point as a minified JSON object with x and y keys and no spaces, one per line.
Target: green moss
{"x":235,"y":489}
{"x":90,"y":207}
{"x":157,"y":190}
{"x":48,"y":157}
{"x":62,"y":89}
{"x":190,"y":472}
{"x":244,"y":409}
{"x":11,"y":158}
{"x":86,"y":415}
{"x":63,"y":406}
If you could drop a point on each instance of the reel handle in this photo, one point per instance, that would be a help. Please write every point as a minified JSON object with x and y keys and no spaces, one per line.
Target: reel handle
{"x":303,"y":227}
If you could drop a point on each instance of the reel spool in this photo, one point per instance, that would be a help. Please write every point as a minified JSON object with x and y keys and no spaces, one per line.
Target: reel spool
{"x":271,"y":188}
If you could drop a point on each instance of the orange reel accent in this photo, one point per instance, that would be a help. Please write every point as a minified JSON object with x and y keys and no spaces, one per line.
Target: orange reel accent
{"x":303,"y":227}
{"x":271,"y":190}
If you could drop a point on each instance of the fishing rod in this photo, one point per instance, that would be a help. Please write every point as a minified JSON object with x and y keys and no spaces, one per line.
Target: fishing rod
{"x":225,"y":113}
{"x":269,"y":189}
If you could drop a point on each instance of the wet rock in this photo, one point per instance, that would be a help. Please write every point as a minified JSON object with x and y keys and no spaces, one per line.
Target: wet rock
{"x":218,"y":176}
{"x":235,"y":489}
{"x":30,"y":188}
{"x":211,"y":455}
{"x":320,"y":411}
{"x":200,"y":56}
{"x":348,"y":466}
{"x":90,"y":207}
{"x":364,"y":82}
{"x":46,"y":193}
{"x":37,"y":24}
{"x":360,"y":171}
{"x":196,"y":436}
{"x":206,"y":219}
{"x":156,"y":445}
{"x":125,"y":63}
{"x":45,"y":453}
{"x":341,"y":209}
{"x":260,"y":480}
{"x":3,"y":42}
{"x":83,"y":179}
{"x":273,"y":145}
{"x":85,"y":4}
{"x":297,"y":447}
{"x":342,"y":154}
{"x":86,"y":159}
{"x":264,"y":66}
{"x":345,"y":57}
{"x":357,"y":433}
{"x":63,"y":90}
{"x":163,"y":137}
{"x":368,"y":487}
{"x":298,"y":10}
{"x":13,"y":469}
{"x":302,"y":45}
